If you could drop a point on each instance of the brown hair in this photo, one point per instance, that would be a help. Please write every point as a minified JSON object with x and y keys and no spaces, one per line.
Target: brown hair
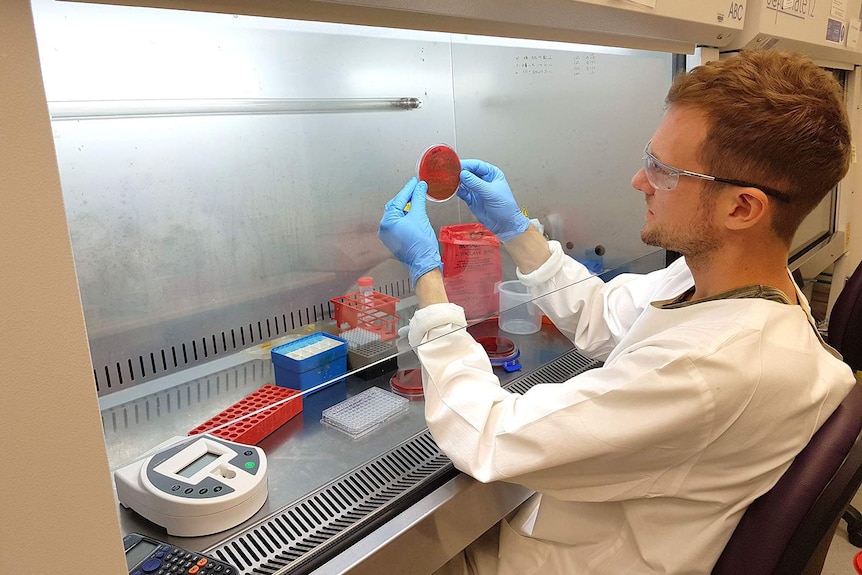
{"x":774,"y":119}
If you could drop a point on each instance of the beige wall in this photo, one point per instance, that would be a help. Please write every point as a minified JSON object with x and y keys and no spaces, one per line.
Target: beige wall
{"x":56,"y":502}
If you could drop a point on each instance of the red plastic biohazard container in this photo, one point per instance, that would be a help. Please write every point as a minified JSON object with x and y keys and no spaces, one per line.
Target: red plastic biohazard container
{"x":472,"y":268}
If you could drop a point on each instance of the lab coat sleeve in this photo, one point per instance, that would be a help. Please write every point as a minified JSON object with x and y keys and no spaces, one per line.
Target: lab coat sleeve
{"x":633,"y":429}
{"x":592,"y":313}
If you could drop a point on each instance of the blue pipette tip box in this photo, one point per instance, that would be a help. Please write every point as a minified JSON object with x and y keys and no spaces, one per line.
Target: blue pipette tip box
{"x":309,"y":361}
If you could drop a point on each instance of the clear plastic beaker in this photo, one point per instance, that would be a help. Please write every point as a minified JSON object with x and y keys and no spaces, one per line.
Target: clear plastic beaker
{"x":518,"y":315}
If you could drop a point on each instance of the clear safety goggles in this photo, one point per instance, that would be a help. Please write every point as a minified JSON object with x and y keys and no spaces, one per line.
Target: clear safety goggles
{"x":664,"y":177}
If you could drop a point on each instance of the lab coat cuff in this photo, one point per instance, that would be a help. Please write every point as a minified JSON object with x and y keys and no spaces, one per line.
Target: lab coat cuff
{"x":435,"y":315}
{"x":547,"y":270}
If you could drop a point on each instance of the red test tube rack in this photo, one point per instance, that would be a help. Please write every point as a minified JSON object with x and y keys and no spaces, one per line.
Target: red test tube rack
{"x":251,"y":430}
{"x":374,"y":312}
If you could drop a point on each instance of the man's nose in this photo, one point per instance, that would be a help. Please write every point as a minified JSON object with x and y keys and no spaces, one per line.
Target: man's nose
{"x":641,"y":183}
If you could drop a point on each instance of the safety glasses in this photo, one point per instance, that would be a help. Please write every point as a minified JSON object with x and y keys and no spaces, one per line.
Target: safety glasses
{"x":664,"y":177}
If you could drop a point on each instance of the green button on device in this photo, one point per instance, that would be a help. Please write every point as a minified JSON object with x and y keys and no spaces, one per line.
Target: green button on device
{"x":249,"y":464}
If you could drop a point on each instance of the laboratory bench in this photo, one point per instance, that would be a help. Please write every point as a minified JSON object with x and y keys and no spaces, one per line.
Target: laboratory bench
{"x":336,"y":504}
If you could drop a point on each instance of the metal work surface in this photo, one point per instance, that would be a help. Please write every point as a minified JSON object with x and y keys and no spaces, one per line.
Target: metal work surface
{"x":430,"y":532}
{"x":303,"y":454}
{"x":312,"y":529}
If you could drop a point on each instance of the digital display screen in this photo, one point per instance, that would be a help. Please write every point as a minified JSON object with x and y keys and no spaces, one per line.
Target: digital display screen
{"x":198,"y":464}
{"x":139,"y":552}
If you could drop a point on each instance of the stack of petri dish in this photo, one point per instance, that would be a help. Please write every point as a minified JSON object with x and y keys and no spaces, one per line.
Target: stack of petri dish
{"x":407,"y":383}
{"x":502,"y":352}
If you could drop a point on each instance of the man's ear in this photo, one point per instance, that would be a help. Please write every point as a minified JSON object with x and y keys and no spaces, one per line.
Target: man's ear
{"x":747,"y":208}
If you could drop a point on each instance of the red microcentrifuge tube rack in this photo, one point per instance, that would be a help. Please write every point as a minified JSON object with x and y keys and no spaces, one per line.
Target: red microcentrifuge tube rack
{"x":251,"y":429}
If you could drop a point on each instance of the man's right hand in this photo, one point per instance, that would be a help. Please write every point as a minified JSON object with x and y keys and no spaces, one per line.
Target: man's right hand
{"x":486,"y":192}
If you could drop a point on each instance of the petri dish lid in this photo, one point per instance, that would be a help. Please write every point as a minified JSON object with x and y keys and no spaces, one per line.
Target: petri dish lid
{"x":498,"y":347}
{"x":440,"y":168}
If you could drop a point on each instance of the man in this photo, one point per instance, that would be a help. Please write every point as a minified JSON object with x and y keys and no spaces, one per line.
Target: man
{"x":714,"y":375}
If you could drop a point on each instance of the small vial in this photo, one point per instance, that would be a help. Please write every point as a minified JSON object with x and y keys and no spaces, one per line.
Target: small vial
{"x":366,"y":290}
{"x":366,"y":285}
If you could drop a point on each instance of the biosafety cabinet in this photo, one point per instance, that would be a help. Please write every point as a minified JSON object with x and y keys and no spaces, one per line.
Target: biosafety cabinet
{"x":224,"y":167}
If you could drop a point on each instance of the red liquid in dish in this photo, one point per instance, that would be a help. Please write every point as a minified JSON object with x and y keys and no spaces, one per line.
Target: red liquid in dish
{"x":407,"y":383}
{"x":440,"y":168}
{"x":497,"y":347}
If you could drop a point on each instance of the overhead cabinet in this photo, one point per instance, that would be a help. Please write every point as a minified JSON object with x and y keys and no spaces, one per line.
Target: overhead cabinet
{"x":665,"y":25}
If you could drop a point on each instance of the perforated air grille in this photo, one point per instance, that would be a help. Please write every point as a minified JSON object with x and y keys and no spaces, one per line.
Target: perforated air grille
{"x":558,"y":371}
{"x":313,"y":528}
{"x":123,"y":360}
{"x":146,"y":366}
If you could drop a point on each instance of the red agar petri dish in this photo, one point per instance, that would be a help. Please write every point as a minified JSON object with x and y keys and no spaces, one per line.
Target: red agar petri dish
{"x":440,"y":168}
{"x":501,"y":352}
{"x":407,"y":383}
{"x":497,"y":347}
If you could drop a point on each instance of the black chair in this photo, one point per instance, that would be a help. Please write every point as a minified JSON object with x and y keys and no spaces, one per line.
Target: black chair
{"x":787,"y":530}
{"x":845,"y":334}
{"x":845,"y":321}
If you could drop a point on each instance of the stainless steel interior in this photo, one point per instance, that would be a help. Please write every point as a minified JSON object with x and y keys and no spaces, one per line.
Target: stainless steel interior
{"x":196,"y":236}
{"x":306,"y":531}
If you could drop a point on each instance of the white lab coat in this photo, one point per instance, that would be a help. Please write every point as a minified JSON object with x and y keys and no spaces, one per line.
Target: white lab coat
{"x":646,"y":464}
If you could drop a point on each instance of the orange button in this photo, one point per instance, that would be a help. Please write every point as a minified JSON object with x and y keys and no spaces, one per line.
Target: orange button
{"x":202,"y":562}
{"x":194,"y":569}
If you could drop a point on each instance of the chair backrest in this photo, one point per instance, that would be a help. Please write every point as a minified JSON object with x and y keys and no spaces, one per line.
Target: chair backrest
{"x":781,"y":530}
{"x":845,"y":321}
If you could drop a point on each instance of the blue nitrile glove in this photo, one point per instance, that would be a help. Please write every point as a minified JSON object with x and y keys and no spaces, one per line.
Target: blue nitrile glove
{"x":485,"y":190}
{"x":409,"y":235}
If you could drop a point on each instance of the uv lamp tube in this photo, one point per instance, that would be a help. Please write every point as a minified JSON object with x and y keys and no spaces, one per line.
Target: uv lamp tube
{"x":115,"y":109}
